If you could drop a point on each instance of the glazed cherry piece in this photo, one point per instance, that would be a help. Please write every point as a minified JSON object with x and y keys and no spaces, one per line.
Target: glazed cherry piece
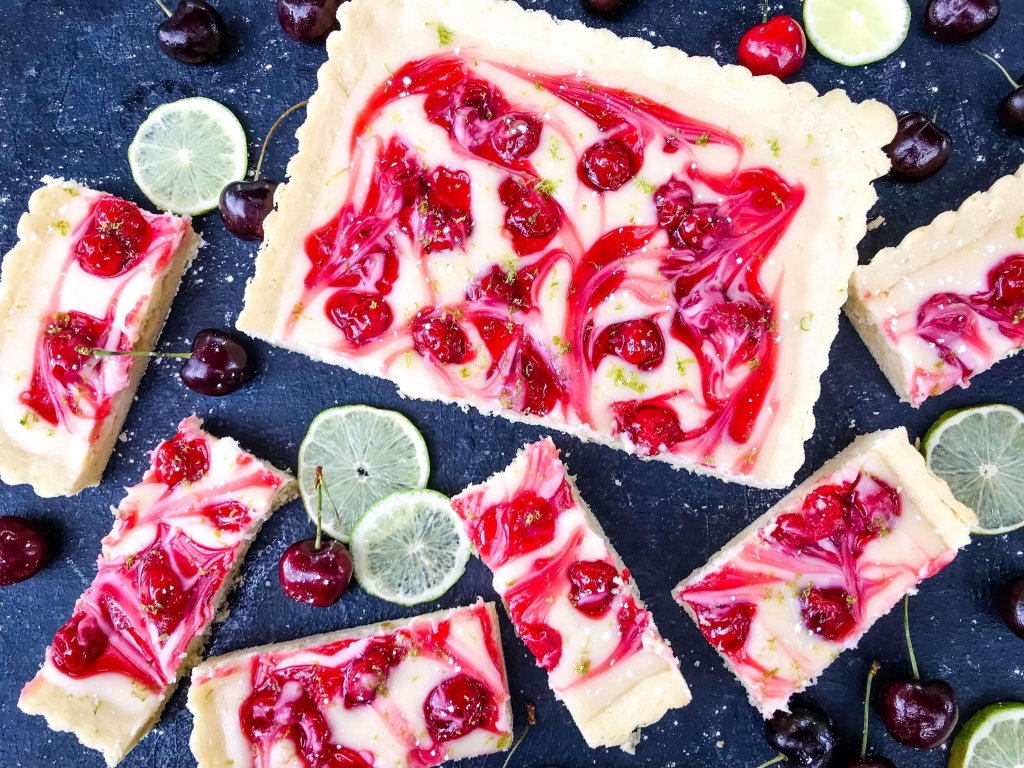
{"x":1011,"y":606}
{"x":113,"y":243}
{"x":439,"y":338}
{"x":361,"y":317}
{"x":607,"y":165}
{"x":919,"y":149}
{"x":777,"y":47}
{"x":456,"y":707}
{"x":218,"y":364}
{"x":954,"y":21}
{"x":23,"y":549}
{"x":592,"y":586}
{"x":78,"y":644}
{"x":918,"y":714}
{"x":308,"y":21}
{"x":316,"y":575}
{"x":180,"y":460}
{"x":638,"y":342}
{"x":606,"y":8}
{"x":803,"y":735}
{"x":193,"y":34}
{"x":244,"y":205}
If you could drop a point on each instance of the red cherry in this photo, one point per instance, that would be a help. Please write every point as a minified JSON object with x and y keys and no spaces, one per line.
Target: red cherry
{"x":516,"y":136}
{"x":592,"y":586}
{"x":162,"y":595}
{"x":638,"y":342}
{"x":23,"y":549}
{"x":522,"y":525}
{"x":776,"y":47}
{"x":823,"y":512}
{"x":652,"y":427}
{"x":179,"y":460}
{"x":102,"y":254}
{"x":366,"y":675}
{"x":727,"y":626}
{"x":228,"y":515}
{"x":544,"y":643}
{"x":513,"y":289}
{"x":458,"y":706}
{"x":689,"y":225}
{"x":446,"y":219}
{"x":828,"y":612}
{"x":538,"y":383}
{"x":361,"y":317}
{"x":78,"y":644}
{"x":439,"y":337}
{"x":607,"y":165}
{"x":532,"y":217}
{"x":111,"y":246}
{"x":124,"y":220}
{"x":315,"y":576}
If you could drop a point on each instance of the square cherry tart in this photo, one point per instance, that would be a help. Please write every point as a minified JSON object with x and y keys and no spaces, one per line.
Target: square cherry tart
{"x":178,"y":540}
{"x":947,"y":303}
{"x":404,"y":694}
{"x":547,"y":222}
{"x":804,"y":582}
{"x":571,"y":599}
{"x":90,"y":271}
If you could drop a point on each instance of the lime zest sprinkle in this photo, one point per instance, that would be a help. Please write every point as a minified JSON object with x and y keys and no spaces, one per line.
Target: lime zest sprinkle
{"x":628,"y":380}
{"x":444,"y":35}
{"x":645,"y":186}
{"x":61,"y":226}
{"x":703,"y":139}
{"x":806,"y":320}
{"x":1019,"y":231}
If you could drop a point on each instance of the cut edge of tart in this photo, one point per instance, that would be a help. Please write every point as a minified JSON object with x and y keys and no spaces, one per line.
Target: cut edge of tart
{"x":223,"y":684}
{"x":846,"y":139}
{"x":619,"y":721}
{"x":91,"y":714}
{"x":53,"y":469}
{"x":995,"y":214}
{"x":750,"y":585}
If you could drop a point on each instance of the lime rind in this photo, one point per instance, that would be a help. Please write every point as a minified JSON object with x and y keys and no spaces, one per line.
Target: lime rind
{"x":366,"y":455}
{"x":993,"y":738}
{"x":979,"y":452}
{"x":186,"y":152}
{"x":410,"y":548}
{"x":856,"y":32}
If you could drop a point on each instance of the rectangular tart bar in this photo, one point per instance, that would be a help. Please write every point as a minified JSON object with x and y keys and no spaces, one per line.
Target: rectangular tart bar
{"x":404,"y":694}
{"x":178,"y":540}
{"x":804,"y":582}
{"x":548,"y":222}
{"x":89,"y":271}
{"x":571,"y":599}
{"x":948,"y":302}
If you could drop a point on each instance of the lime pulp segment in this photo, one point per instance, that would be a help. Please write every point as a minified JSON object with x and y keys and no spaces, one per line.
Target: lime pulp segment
{"x":856,"y":32}
{"x":366,"y":454}
{"x":410,"y":548}
{"x":186,"y":152}
{"x":979,"y":452}
{"x":993,"y":738}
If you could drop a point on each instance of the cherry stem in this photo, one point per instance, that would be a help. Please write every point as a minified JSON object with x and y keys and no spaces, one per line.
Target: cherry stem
{"x":773,"y":761}
{"x":531,"y":720}
{"x":164,"y":8}
{"x":764,"y":19}
{"x":906,"y":631}
{"x":96,"y":352}
{"x":1002,"y":69}
{"x":867,"y":711}
{"x":318,"y":483}
{"x":266,"y":141}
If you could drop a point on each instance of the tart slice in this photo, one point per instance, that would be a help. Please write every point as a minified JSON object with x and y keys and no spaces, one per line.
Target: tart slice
{"x":804,"y":582}
{"x":90,"y":271}
{"x":571,"y":599}
{"x":406,"y":694}
{"x":550,"y":223}
{"x":178,"y":540}
{"x":948,"y":302}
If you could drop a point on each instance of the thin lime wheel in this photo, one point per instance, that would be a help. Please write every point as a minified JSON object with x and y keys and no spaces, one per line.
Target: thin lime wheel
{"x":856,"y":32}
{"x":365,"y":454}
{"x":979,"y":452}
{"x":186,"y":152}
{"x":993,"y":738}
{"x":410,"y":548}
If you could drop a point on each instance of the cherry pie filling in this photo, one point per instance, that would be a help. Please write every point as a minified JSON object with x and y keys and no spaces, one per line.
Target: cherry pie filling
{"x":156,"y":584}
{"x":292,"y":701}
{"x":114,"y":243}
{"x":696,"y":269}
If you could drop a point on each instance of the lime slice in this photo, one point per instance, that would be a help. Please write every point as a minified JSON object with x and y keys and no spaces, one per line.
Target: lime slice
{"x":186,"y":152}
{"x":993,"y":738}
{"x":366,"y":454}
{"x":979,"y":452}
{"x":409,"y":548}
{"x":855,"y":32}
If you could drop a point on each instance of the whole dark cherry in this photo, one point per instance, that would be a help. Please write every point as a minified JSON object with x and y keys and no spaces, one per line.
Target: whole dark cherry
{"x":317,"y":574}
{"x":308,"y":21}
{"x":606,"y":8}
{"x":1010,"y":112}
{"x":193,"y":34}
{"x":919,"y":149}
{"x":954,"y":21}
{"x":804,"y":736}
{"x":918,"y":714}
{"x":776,"y":47}
{"x":218,"y":364}
{"x":1011,"y":606}
{"x":23,"y":549}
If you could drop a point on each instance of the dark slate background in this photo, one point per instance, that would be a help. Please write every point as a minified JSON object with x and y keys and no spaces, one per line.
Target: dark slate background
{"x":78,"y":78}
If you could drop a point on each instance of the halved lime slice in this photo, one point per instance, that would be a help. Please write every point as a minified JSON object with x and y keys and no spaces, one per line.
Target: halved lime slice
{"x":993,"y":738}
{"x":409,"y":548}
{"x":186,"y":152}
{"x":366,"y":454}
{"x":855,"y":32}
{"x":979,"y":452}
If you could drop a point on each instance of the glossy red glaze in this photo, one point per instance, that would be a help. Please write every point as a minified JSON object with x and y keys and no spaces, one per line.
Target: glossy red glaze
{"x":726,"y":627}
